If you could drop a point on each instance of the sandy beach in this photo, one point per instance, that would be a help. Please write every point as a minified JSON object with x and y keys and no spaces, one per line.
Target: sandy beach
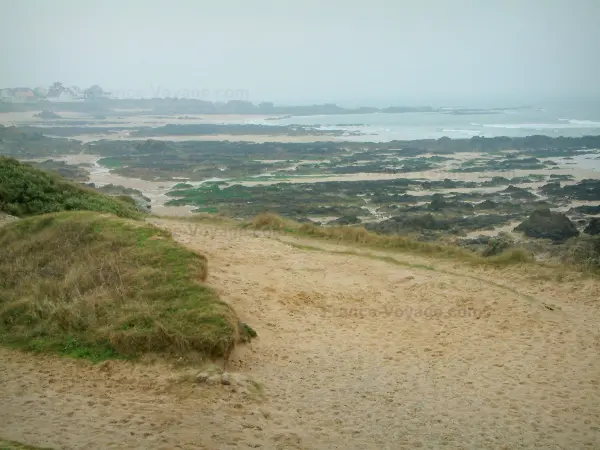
{"x":28,"y":118}
{"x":124,"y":135}
{"x":433,"y":175}
{"x":354,"y":352}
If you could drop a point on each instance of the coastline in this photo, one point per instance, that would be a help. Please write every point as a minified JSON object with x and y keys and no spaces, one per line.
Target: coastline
{"x":157,"y":190}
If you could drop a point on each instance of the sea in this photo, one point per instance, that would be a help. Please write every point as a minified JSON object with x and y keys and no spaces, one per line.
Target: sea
{"x":554,"y":121}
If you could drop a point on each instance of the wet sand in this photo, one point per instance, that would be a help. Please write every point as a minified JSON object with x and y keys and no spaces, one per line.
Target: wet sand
{"x":432,"y":175}
{"x":124,"y":135}
{"x":508,"y":228}
{"x":155,"y":190}
{"x":28,"y":118}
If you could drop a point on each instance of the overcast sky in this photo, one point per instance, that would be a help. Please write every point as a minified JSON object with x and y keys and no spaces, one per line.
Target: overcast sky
{"x":305,"y":51}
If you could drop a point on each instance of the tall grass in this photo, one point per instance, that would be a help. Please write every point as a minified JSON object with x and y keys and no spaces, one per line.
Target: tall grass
{"x":359,"y":235}
{"x":97,"y":286}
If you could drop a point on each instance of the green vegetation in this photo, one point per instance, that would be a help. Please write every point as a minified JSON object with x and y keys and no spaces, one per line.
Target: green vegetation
{"x":12,"y":445}
{"x":508,"y":163}
{"x":27,"y":143}
{"x":197,"y":161}
{"x":359,"y":235}
{"x":583,"y":251}
{"x":113,"y":189}
{"x":578,"y":254}
{"x":288,"y":199}
{"x":69,"y":171}
{"x":450,"y":213}
{"x":25,"y":191}
{"x":410,"y":205}
{"x":584,"y":190}
{"x":96,"y":286}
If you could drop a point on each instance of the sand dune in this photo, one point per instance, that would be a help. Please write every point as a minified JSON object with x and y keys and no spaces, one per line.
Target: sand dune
{"x":354,"y":352}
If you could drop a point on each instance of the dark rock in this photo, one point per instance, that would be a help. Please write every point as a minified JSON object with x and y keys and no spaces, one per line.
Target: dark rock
{"x":543,"y":204}
{"x":47,"y":115}
{"x":225,"y":379}
{"x":153,"y":146}
{"x":486,"y":204}
{"x":202,"y":377}
{"x":479,"y":240}
{"x":510,"y":189}
{"x":593,"y":227}
{"x":437,"y":202}
{"x":553,"y":188}
{"x":345,"y":220}
{"x":545,"y":224}
{"x":586,"y":209}
{"x":307,"y":220}
{"x":584,"y":190}
{"x":518,"y":193}
{"x":561,"y":177}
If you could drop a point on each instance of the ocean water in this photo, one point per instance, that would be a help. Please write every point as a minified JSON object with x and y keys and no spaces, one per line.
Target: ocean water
{"x":380,"y":127}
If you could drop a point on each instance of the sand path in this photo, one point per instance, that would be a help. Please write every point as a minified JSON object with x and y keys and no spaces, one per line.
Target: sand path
{"x":354,"y":352}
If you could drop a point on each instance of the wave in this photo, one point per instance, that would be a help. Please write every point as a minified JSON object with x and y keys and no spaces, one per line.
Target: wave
{"x":523,"y":126}
{"x":585,"y":123}
{"x":545,"y":126}
{"x":472,"y":132}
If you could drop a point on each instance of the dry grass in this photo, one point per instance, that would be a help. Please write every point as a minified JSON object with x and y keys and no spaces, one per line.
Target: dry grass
{"x":198,"y":218}
{"x":269,"y":221}
{"x":12,"y":445}
{"x":359,"y":235}
{"x":97,"y":286}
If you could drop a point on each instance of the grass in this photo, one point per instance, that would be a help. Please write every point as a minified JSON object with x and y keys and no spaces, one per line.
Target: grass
{"x":12,"y":445}
{"x":97,"y":286}
{"x":359,"y":235}
{"x":27,"y":191}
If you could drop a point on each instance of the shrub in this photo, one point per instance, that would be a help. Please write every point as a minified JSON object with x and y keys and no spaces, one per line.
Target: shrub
{"x":26,"y":191}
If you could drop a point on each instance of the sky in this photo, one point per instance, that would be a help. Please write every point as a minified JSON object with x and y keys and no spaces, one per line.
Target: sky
{"x":350,"y":52}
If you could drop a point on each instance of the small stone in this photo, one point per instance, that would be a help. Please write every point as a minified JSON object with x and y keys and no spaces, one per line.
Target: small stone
{"x":214,"y":379}
{"x":225,"y":379}
{"x":239,"y":378}
{"x":106,"y":366}
{"x":202,"y":377}
{"x":265,"y":413}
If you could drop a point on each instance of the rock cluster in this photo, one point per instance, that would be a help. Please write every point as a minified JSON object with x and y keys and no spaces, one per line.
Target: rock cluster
{"x":546,"y":224}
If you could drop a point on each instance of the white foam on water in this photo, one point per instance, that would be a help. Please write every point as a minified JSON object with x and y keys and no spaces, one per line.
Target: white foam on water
{"x":564,"y":123}
{"x":469,"y":132}
{"x":585,"y":123}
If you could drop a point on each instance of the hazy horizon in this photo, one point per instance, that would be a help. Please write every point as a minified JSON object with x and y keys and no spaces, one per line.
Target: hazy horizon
{"x":374,"y":53}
